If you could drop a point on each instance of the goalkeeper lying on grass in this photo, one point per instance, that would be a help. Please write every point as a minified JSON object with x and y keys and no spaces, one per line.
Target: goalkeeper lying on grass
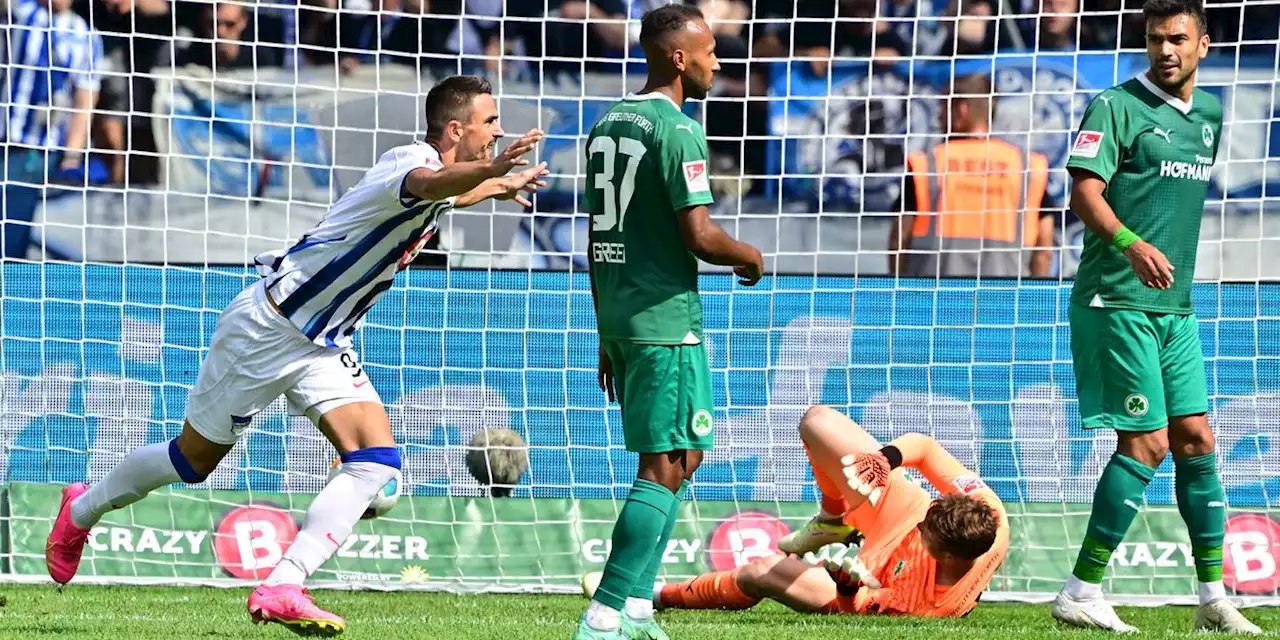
{"x":918,"y":556}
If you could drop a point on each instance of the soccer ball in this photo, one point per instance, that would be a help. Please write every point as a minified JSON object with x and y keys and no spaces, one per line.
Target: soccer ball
{"x":383,"y":502}
{"x":497,"y":459}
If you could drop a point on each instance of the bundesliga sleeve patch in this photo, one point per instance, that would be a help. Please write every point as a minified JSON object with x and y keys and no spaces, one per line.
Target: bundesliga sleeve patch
{"x":1087,"y":143}
{"x":968,"y":484}
{"x":695,"y":176}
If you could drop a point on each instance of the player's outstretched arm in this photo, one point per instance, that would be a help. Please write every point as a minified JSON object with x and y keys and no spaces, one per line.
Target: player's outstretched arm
{"x":509,"y":187}
{"x":1152,"y":267}
{"x":711,"y":244}
{"x":461,"y":177}
{"x":868,"y":473}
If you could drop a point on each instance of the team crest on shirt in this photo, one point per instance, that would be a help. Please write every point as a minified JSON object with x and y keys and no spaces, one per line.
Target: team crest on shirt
{"x":240,"y":423}
{"x":702,"y":423}
{"x":1206,"y":133}
{"x":1136,"y":405}
{"x":695,"y":176}
{"x":414,"y":249}
{"x":1087,"y":144}
{"x":899,"y":568}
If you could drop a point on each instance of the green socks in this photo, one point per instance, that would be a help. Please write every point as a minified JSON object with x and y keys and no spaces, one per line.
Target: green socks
{"x":1203,"y":505}
{"x":643,"y":587}
{"x":1116,"y":502}
{"x":643,"y":520}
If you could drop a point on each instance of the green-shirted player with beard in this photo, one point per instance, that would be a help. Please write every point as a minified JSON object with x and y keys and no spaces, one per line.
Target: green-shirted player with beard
{"x":647,"y":191}
{"x":1140,"y":165}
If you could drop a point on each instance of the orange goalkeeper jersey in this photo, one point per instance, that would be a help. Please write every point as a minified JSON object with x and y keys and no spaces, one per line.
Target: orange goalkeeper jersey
{"x":901,"y":563}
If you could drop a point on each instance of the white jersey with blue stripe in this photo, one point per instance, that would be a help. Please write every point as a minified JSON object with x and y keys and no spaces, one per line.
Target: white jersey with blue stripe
{"x":327,"y":281}
{"x":50,"y":57}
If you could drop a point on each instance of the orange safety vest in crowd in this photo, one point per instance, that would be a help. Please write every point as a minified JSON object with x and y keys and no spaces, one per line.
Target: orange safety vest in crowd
{"x":978,"y":206}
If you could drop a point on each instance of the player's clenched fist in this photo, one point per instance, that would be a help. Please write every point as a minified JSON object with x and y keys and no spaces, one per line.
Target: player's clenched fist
{"x":750,"y":272}
{"x":867,"y":473}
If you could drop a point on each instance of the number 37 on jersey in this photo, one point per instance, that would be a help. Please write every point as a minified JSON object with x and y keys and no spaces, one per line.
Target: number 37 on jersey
{"x":646,"y":161}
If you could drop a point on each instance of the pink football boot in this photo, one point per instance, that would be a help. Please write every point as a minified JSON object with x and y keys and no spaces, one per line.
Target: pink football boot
{"x":66,"y":541}
{"x":291,"y":606}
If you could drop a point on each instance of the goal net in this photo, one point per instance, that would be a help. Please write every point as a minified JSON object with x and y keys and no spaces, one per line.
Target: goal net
{"x":225,"y":130}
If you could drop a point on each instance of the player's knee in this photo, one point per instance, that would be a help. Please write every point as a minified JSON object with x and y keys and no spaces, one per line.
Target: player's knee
{"x":1149,"y":448}
{"x":813,"y":421}
{"x":192,"y":467}
{"x":384,"y":456}
{"x":1192,"y":441}
{"x":752,"y":574}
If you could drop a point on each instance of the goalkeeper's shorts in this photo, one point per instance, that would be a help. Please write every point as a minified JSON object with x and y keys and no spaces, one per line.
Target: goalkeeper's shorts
{"x":1136,"y":369}
{"x":256,"y":356}
{"x":665,"y":395}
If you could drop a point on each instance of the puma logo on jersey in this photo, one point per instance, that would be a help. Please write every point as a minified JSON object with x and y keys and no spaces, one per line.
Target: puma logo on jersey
{"x":685,"y":127}
{"x":1162,"y":133}
{"x":1132,"y":505}
{"x":1105,"y":100}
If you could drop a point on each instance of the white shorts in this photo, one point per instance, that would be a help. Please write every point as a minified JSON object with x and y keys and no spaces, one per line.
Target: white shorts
{"x":255,"y":356}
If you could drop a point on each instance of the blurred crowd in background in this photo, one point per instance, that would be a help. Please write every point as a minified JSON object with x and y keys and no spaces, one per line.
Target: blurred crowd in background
{"x":537,"y":40}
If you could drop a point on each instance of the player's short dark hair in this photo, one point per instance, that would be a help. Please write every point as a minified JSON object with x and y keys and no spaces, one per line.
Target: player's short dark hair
{"x":965,"y":526}
{"x":663,"y":22}
{"x":1162,"y":9}
{"x":451,"y":99}
{"x":977,"y":90}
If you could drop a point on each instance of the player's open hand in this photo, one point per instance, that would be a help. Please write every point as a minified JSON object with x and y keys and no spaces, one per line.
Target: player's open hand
{"x":1151,"y":266}
{"x":751,"y":272}
{"x":867,"y":473}
{"x":517,"y":185}
{"x":513,"y":155}
{"x":604,"y":375}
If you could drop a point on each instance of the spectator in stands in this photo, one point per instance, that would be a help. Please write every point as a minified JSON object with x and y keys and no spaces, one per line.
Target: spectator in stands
{"x":476,"y":37}
{"x":394,"y":31}
{"x":218,"y":44}
{"x":972,"y":204}
{"x":50,"y":88}
{"x":1057,"y":28}
{"x":848,"y":29}
{"x":967,"y":28}
{"x":134,"y":35}
{"x":317,"y":32}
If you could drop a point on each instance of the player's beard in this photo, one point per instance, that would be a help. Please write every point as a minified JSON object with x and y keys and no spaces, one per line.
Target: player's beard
{"x":695,"y":90}
{"x":1185,"y":72}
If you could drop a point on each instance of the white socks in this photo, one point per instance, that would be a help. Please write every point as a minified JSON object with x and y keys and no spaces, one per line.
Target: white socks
{"x":142,"y":471}
{"x":602,"y":617}
{"x":330,"y":519}
{"x":1211,"y":591}
{"x":639,"y":608}
{"x":1081,"y":590}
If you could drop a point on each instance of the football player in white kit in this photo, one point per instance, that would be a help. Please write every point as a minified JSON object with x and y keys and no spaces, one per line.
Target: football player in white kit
{"x":291,"y":332}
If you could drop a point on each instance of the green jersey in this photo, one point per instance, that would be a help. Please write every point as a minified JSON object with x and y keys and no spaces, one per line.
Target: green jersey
{"x":1155,"y":153}
{"x":646,"y":161}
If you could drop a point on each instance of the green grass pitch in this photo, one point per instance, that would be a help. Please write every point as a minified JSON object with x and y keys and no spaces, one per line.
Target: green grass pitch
{"x":162,"y":613}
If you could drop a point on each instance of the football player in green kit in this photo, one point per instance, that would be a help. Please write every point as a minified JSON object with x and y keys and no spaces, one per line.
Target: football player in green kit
{"x":1140,"y":166}
{"x":647,"y":192}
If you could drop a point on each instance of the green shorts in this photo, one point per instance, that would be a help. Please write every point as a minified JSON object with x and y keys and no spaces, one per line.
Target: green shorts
{"x":1136,"y":369}
{"x":665,"y":395}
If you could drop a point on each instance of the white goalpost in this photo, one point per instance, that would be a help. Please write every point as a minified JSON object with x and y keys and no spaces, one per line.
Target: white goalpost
{"x":107,"y":315}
